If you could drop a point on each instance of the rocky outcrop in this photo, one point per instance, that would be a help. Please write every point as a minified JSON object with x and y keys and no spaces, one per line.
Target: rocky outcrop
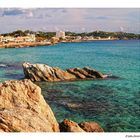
{"x":23,"y":108}
{"x":43,"y":72}
{"x":71,"y":126}
{"x":91,"y":127}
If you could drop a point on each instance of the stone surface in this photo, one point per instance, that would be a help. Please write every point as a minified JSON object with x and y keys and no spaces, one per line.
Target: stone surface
{"x":23,"y":108}
{"x":91,"y":127}
{"x":43,"y":72}
{"x":70,"y":126}
{"x":93,"y":72}
{"x":23,"y":120}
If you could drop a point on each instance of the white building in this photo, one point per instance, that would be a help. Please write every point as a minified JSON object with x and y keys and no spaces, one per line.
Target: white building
{"x":78,"y":38}
{"x":7,"y":39}
{"x":1,"y":38}
{"x":60,"y":34}
{"x":30,"y":38}
{"x":20,"y":39}
{"x":109,"y":37}
{"x":90,"y":38}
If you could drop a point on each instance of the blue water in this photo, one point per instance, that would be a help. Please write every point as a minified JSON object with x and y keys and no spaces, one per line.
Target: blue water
{"x":113,"y":103}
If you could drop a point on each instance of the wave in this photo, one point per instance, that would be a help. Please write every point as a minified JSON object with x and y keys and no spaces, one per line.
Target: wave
{"x":3,"y":65}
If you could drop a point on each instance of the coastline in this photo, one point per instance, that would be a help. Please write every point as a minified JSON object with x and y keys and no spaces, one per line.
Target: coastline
{"x":24,"y":44}
{"x":34,"y":44}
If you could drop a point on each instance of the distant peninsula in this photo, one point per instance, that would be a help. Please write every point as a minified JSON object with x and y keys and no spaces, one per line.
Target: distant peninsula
{"x":28,"y":38}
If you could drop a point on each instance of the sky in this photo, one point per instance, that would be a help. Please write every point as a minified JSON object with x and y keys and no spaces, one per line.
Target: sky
{"x":70,"y":19}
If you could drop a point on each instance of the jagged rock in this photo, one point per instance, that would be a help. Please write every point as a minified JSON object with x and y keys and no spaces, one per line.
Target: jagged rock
{"x":76,"y":73}
{"x":82,"y":71}
{"x":63,"y":75}
{"x":23,"y":108}
{"x":93,"y":72}
{"x":43,"y":72}
{"x":70,"y":126}
{"x":91,"y":127}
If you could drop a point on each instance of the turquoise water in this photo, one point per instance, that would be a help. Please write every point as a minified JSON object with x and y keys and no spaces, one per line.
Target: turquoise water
{"x":113,"y":103}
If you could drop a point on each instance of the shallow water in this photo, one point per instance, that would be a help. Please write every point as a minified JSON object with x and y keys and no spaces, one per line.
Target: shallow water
{"x":114,"y":103}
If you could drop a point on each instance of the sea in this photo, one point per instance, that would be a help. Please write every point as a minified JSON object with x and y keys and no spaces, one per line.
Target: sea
{"x":113,"y":103}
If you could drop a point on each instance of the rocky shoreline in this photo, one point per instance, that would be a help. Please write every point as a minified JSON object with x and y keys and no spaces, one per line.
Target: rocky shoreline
{"x":35,"y":44}
{"x":23,"y":109}
{"x":24,"y":44}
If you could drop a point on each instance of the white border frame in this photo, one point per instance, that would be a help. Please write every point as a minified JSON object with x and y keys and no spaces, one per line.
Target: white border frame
{"x":70,"y":3}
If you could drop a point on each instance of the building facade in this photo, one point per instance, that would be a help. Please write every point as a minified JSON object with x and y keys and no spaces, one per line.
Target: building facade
{"x":60,"y":34}
{"x":19,"y":39}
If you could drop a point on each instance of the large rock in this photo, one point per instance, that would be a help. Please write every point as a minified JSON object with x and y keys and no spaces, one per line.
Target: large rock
{"x":91,"y":127}
{"x":23,"y":120}
{"x":23,"y":108}
{"x":43,"y":72}
{"x":70,"y":126}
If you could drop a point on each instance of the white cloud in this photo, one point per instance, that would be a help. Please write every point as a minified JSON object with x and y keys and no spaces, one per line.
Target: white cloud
{"x":80,"y":19}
